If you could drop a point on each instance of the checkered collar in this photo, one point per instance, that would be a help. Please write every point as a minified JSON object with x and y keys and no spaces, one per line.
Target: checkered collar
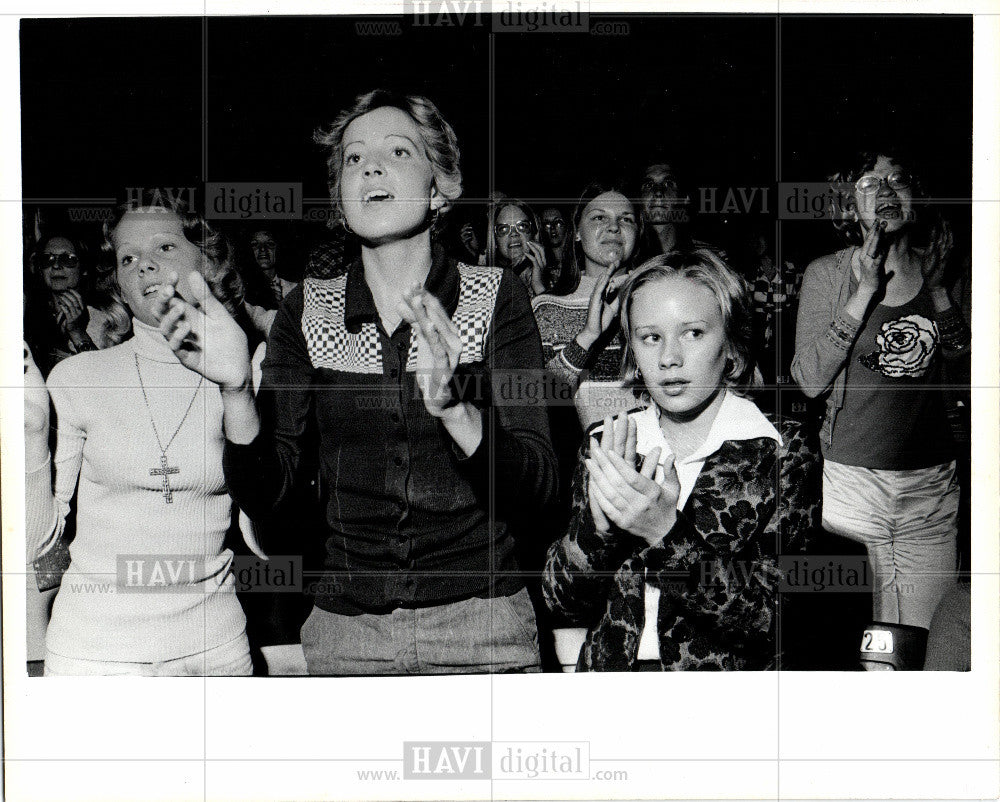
{"x":443,"y":281}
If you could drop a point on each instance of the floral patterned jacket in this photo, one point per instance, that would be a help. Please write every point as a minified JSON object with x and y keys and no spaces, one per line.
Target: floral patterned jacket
{"x":717,"y":569}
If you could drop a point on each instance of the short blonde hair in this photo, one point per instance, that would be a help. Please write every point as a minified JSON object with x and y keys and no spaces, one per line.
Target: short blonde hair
{"x":440,"y":144}
{"x":708,"y":268}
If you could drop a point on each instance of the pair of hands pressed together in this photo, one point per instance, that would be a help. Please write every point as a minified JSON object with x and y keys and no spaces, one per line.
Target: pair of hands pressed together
{"x":71,"y":311}
{"x":189,"y":327}
{"x":439,"y":347}
{"x":620,"y":495}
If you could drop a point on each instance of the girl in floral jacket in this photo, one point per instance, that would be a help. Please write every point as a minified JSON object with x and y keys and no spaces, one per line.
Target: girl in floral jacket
{"x":683,"y":507}
{"x":874,"y":324}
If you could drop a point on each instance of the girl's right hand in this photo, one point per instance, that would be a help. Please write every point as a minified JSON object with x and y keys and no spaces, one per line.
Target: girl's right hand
{"x":36,"y":399}
{"x":204,"y":335}
{"x":871,"y":259}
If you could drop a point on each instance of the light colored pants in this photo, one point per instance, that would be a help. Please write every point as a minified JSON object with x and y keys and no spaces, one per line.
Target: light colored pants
{"x":475,"y":636}
{"x":231,"y":659}
{"x":908,"y":521}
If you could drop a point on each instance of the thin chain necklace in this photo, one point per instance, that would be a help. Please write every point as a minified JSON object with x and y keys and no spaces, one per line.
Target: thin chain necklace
{"x":165,"y":470}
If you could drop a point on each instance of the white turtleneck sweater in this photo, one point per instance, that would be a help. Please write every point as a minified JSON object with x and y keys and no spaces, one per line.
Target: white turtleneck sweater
{"x":181,"y":600}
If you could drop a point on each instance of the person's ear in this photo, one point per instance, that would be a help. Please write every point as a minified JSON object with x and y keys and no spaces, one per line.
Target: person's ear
{"x":437,"y":199}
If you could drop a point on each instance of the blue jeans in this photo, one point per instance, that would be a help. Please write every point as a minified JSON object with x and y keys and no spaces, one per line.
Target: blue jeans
{"x":475,"y":636}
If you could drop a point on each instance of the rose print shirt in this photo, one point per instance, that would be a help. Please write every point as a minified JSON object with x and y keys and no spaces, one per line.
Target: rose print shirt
{"x":894,"y":416}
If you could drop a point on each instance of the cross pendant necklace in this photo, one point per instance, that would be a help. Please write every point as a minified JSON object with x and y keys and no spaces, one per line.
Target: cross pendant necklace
{"x":165,"y":470}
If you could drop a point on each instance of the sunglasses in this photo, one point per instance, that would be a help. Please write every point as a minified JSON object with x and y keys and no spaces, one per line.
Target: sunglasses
{"x":870,"y":184}
{"x":503,"y":229}
{"x":46,"y":261}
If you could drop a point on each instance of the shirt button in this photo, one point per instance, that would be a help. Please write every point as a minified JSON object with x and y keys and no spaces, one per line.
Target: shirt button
{"x":394,"y":417}
{"x":398,"y":461}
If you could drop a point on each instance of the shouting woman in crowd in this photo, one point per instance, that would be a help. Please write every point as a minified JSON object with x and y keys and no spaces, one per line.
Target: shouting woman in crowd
{"x":874,"y":324}
{"x":402,"y":364}
{"x":149,"y":588}
{"x":682,"y":509}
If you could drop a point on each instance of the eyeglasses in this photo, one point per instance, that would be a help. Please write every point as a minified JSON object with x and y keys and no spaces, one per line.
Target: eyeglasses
{"x":666,"y":185}
{"x":871,"y":183}
{"x":549,"y":225}
{"x":503,"y":229}
{"x":46,"y":261}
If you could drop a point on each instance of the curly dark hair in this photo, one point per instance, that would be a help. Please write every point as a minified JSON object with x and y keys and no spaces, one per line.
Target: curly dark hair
{"x":842,"y":205}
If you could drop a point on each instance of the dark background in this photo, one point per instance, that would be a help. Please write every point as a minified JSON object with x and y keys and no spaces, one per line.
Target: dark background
{"x":110,"y":103}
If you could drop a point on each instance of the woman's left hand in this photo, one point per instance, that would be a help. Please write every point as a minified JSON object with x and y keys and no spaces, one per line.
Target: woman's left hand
{"x":439,"y":347}
{"x":934,"y":260}
{"x":632,"y":500}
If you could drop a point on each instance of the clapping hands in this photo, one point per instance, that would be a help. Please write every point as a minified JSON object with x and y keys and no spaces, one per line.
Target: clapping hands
{"x":620,"y":495}
{"x":439,"y":347}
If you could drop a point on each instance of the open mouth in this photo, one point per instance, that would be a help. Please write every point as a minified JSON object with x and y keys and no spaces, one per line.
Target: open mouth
{"x":377,"y":195}
{"x":674,"y":385}
{"x":888,"y":210}
{"x":151,"y":289}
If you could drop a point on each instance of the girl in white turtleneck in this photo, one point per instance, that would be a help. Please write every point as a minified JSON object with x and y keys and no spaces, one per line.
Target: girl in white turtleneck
{"x":149,"y":589}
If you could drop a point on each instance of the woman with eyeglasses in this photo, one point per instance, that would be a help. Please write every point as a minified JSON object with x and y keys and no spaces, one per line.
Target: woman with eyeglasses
{"x":512,"y":242}
{"x":874,"y":324}
{"x":63,"y":315}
